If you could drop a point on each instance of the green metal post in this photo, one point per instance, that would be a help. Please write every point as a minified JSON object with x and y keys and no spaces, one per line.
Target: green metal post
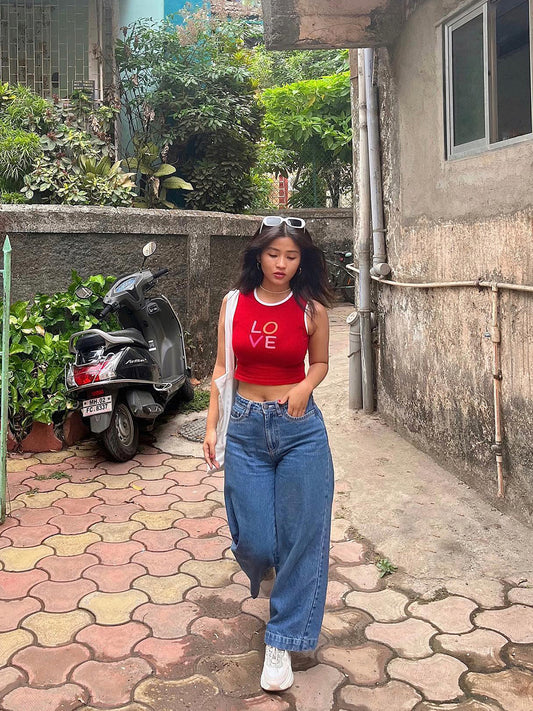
{"x":6,"y":278}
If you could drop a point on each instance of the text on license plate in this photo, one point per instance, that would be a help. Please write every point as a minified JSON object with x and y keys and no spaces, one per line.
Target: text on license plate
{"x":97,"y":405}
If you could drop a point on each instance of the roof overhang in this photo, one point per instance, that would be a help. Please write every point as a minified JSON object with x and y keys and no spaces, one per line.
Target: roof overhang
{"x":325,"y":24}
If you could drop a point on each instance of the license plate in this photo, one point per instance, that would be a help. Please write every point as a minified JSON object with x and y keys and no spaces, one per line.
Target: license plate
{"x":97,"y":405}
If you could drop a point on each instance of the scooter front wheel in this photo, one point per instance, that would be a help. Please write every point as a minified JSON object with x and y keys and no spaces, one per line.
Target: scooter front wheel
{"x":121,"y":438}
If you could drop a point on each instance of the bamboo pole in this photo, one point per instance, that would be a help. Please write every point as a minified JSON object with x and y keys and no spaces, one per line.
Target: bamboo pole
{"x":6,"y":278}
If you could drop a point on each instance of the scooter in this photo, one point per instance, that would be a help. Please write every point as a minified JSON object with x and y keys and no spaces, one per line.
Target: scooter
{"x":124,"y":379}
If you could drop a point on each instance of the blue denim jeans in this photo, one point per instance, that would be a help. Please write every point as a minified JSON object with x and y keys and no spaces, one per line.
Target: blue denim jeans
{"x":278,"y":491}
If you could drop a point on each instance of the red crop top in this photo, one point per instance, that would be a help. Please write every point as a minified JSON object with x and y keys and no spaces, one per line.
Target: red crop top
{"x":270,"y":341}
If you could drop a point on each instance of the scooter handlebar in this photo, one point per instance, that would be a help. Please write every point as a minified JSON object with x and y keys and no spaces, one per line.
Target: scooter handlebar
{"x":107,"y":309}
{"x":160,"y":272}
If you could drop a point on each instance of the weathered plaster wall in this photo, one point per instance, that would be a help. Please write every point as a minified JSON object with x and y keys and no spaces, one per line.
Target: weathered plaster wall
{"x":453,"y":220}
{"x":202,"y":250}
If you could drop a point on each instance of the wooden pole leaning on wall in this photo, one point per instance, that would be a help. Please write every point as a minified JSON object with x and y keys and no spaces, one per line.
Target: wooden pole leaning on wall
{"x":6,"y":300}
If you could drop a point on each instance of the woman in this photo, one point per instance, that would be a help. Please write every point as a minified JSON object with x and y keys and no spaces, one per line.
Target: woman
{"x":278,"y":471}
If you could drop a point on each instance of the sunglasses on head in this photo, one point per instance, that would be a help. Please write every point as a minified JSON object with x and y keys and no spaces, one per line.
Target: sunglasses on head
{"x":277,"y":220}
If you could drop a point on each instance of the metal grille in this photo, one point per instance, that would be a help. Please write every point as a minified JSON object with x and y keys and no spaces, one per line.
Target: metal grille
{"x":44,"y":44}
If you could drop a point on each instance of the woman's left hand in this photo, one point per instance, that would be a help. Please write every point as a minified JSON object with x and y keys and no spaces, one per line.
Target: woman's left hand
{"x":296,"y":399}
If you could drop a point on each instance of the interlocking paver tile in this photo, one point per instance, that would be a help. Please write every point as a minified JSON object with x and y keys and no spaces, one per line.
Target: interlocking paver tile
{"x":159,"y":540}
{"x":13,"y":611}
{"x":191,"y":493}
{"x":62,"y":596}
{"x":66,"y":568}
{"x":314,"y":689}
{"x":17,"y":559}
{"x":232,"y":635}
{"x":50,"y":666}
{"x":41,"y":501}
{"x":37,"y":517}
{"x":452,"y":614}
{"x":13,"y":585}
{"x":166,"y":589}
{"x":511,"y":688}
{"x":519,"y":654}
{"x":161,"y":563}
{"x":117,"y":497}
{"x":48,"y":469}
{"x":205,"y":548}
{"x":345,"y":624}
{"x":409,"y":638}
{"x":167,"y":621}
{"x":113,"y":608}
{"x":71,"y":524}
{"x":201,"y":527}
{"x":217,"y":496}
{"x":515,"y":622}
{"x":155,"y":487}
{"x":188,"y":464}
{"x":437,"y":677}
{"x":348,"y":552}
{"x":111,"y":683}
{"x":114,"y":578}
{"x":256,"y":703}
{"x":523,"y":596}
{"x":114,"y":481}
{"x":16,"y":464}
{"x":10,"y":678}
{"x":53,"y":457}
{"x":118,"y":468}
{"x":394,"y":695}
{"x":364,"y":664}
{"x":116,"y":532}
{"x":160,"y":502}
{"x":234,"y":673}
{"x":215,"y":481}
{"x":219,"y":602}
{"x":13,"y":505}
{"x":468,"y":705}
{"x":260,"y":608}
{"x":53,"y":629}
{"x":174,"y":658}
{"x":150,"y":473}
{"x":11,"y":642}
{"x":210,"y":575}
{"x":40,"y":485}
{"x":196,"y":691}
{"x":61,"y":698}
{"x":479,"y":650}
{"x":78,"y":507}
{"x":335,"y":594}
{"x":339,"y":529}
{"x":80,"y":491}
{"x":115,"y":553}
{"x":151,"y":460}
{"x":110,"y":643}
{"x":30,"y":536}
{"x":157,"y":520}
{"x":71,"y":545}
{"x":196,"y":509}
{"x":361,"y":577}
{"x":193,"y":478}
{"x":83,"y":476}
{"x":384,"y":605}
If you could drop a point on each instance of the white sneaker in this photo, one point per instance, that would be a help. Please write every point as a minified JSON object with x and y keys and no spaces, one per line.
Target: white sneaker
{"x":277,"y":671}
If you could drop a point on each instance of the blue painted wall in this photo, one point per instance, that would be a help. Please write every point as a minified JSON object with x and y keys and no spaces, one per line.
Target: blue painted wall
{"x":172,"y":6}
{"x":132,"y":10}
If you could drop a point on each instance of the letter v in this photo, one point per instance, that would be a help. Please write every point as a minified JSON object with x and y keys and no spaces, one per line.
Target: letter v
{"x":255,"y":342}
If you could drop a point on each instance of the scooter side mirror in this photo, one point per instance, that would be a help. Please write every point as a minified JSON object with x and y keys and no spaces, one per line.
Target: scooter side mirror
{"x":83,"y":292}
{"x":149,"y":248}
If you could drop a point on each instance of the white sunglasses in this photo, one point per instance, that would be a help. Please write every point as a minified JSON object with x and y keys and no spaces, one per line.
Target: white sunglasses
{"x":277,"y":220}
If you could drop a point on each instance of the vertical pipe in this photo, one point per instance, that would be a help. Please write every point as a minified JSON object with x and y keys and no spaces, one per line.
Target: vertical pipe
{"x":379,"y":260}
{"x":6,"y":279}
{"x":364,"y":244}
{"x":497,"y":381}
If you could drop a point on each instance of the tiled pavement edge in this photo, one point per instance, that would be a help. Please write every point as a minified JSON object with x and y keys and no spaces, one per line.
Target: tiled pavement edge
{"x":118,"y":591}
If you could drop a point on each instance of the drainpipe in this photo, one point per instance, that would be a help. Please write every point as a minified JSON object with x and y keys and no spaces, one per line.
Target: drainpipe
{"x":364,"y":243}
{"x":497,"y":388}
{"x":379,"y":260}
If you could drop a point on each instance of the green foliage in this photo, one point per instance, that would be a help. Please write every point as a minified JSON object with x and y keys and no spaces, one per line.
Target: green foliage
{"x":198,"y":403}
{"x":280,"y":68}
{"x":315,"y":117}
{"x":385,"y":567}
{"x":12,"y":198}
{"x":189,"y":90}
{"x":59,"y":153}
{"x":39,"y":337}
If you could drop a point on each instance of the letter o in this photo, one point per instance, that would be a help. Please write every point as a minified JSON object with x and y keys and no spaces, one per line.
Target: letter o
{"x":270,"y":328}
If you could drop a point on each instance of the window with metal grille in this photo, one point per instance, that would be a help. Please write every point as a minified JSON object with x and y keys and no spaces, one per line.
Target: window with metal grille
{"x":488,"y":76}
{"x":45,"y":45}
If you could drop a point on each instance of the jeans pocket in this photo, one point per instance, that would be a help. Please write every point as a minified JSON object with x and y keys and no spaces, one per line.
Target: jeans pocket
{"x":311,"y":412}
{"x":238,"y":412}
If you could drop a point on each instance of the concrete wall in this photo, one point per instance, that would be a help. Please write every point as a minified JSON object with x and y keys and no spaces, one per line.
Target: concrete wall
{"x":202,"y":250}
{"x":453,"y":220}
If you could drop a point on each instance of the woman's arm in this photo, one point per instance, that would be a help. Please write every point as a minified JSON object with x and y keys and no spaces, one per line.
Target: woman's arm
{"x":298,"y":396}
{"x":219,"y":369}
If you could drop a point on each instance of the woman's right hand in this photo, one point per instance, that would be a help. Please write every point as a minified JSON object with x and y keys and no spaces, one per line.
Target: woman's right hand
{"x":210,"y":441}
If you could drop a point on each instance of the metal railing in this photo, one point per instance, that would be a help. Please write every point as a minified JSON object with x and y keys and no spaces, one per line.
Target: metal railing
{"x":5,"y":272}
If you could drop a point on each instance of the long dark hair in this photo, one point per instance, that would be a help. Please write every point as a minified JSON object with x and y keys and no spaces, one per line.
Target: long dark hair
{"x":309,"y":284}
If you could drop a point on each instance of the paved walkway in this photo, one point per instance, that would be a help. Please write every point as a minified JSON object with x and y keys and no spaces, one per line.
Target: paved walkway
{"x":118,"y":590}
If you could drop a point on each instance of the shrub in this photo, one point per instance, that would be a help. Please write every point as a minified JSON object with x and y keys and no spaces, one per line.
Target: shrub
{"x":19,"y":150}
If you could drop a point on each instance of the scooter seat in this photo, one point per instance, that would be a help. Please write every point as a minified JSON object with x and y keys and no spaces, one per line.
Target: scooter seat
{"x":131,"y":334}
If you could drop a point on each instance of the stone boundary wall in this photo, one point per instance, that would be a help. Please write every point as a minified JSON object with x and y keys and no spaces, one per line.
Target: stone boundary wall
{"x":202,"y":250}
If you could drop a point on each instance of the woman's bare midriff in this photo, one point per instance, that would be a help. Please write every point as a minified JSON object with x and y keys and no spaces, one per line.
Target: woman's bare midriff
{"x":262,"y":393}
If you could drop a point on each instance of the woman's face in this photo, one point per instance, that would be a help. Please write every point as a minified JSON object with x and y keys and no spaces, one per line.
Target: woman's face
{"x":280,"y":261}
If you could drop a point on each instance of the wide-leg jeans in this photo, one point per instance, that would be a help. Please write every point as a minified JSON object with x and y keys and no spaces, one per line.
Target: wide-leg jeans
{"x":278,"y":491}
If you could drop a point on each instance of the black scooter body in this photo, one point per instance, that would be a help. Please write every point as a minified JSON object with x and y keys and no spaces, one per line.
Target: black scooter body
{"x":124,"y":378}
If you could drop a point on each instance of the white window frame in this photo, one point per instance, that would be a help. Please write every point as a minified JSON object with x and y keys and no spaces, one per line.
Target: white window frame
{"x":482,"y":144}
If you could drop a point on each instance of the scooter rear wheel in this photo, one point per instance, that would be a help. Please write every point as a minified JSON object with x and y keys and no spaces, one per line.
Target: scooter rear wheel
{"x":121,"y":438}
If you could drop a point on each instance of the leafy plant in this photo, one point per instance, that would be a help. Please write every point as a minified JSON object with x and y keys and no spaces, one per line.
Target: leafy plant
{"x":39,"y":337}
{"x":19,"y":149}
{"x":198,"y":403}
{"x":385,"y":567}
{"x":12,"y":198}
